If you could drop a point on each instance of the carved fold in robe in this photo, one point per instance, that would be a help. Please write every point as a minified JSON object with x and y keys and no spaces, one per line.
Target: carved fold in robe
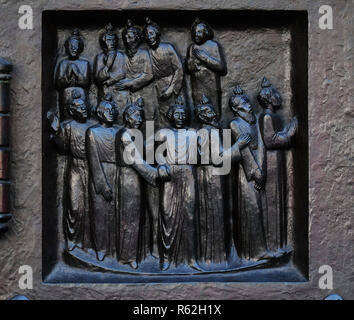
{"x":205,"y":76}
{"x":167,"y":69}
{"x":71,"y":139}
{"x":65,"y":85}
{"x":275,"y":139}
{"x":138,"y":71}
{"x":250,"y":204}
{"x":110,"y":67}
{"x":211,"y":204}
{"x":101,"y":149}
{"x":177,"y":215}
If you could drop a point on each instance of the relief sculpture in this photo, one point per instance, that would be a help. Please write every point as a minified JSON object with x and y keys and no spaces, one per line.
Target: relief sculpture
{"x":126,"y":213}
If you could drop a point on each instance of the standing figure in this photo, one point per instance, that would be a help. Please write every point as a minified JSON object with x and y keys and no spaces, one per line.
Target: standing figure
{"x":131,"y":244}
{"x":70,"y":137}
{"x":103,"y":179}
{"x":210,"y":190}
{"x":250,"y":204}
{"x":205,"y":62}
{"x":138,"y":71}
{"x":167,"y":69}
{"x":72,"y":73}
{"x":177,"y":219}
{"x":109,"y":68}
{"x":214,"y":245}
{"x":276,"y":138}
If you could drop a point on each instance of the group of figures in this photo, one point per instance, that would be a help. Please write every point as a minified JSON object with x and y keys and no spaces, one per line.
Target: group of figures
{"x":172,"y":210}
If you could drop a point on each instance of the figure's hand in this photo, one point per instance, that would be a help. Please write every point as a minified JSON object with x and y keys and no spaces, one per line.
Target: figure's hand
{"x":166,"y":94}
{"x":69,"y":71}
{"x":108,"y":82}
{"x":293,"y":127}
{"x":107,"y":193}
{"x":122,"y":84}
{"x":54,"y":121}
{"x":164,"y":172}
{"x":75,"y":70}
{"x":244,"y":140}
{"x":259,"y":180}
{"x":200,"y":54}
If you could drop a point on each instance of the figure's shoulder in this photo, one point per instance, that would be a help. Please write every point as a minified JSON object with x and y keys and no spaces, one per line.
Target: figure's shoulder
{"x":212,"y":43}
{"x":99,"y":57}
{"x":61,"y":61}
{"x":93,"y":129}
{"x":84,"y":60}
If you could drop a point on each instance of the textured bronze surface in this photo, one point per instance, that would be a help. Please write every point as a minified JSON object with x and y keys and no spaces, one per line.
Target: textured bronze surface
{"x":253,"y":49}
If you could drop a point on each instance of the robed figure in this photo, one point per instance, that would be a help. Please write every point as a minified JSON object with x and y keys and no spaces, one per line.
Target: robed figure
{"x":109,"y":69}
{"x":133,"y":244}
{"x":70,"y":137}
{"x":177,"y":220}
{"x":138,"y":71}
{"x":103,"y":181}
{"x":211,"y":201}
{"x":277,"y":138}
{"x":167,"y":69}
{"x":72,"y":73}
{"x":205,"y":62}
{"x":250,"y":201}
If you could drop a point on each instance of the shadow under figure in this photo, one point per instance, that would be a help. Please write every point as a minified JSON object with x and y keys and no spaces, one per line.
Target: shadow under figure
{"x":276,"y":138}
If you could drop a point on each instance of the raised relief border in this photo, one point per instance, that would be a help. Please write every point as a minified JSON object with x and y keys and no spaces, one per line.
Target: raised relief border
{"x":174,"y":149}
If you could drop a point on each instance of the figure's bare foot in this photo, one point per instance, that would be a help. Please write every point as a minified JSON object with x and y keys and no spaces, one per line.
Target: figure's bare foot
{"x":133,"y":264}
{"x":165,"y":266}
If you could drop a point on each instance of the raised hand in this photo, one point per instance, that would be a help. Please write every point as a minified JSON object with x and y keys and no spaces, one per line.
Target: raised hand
{"x":107,"y":193}
{"x":200,"y":54}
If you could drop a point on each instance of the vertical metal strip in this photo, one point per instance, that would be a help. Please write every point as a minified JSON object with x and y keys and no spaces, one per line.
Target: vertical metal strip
{"x":5,"y":77}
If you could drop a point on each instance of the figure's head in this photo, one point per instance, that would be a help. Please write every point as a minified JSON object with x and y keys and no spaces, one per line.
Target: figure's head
{"x":131,"y":35}
{"x":177,"y":114}
{"x":201,"y":31}
{"x":134,"y":114}
{"x":269,"y":96}
{"x":77,"y":107}
{"x":107,"y":110}
{"x":152,"y":33}
{"x":205,"y":112}
{"x":74,"y":45}
{"x":240,"y":104}
{"x":109,"y":39}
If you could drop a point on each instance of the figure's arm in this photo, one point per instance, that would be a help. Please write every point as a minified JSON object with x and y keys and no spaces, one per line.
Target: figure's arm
{"x":214,"y":62}
{"x":100,"y":70}
{"x":141,"y":80}
{"x":98,"y":176}
{"x":117,"y":72}
{"x":60,"y":77}
{"x":191,"y":66}
{"x":276,"y":140}
{"x":177,"y":79}
{"x":149,"y":173}
{"x":61,"y":132}
{"x":82,"y":79}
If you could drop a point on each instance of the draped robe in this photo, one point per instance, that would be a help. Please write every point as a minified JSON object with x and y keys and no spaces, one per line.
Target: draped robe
{"x":101,"y":149}
{"x":250,"y":204}
{"x":276,"y":139}
{"x":71,"y":140}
